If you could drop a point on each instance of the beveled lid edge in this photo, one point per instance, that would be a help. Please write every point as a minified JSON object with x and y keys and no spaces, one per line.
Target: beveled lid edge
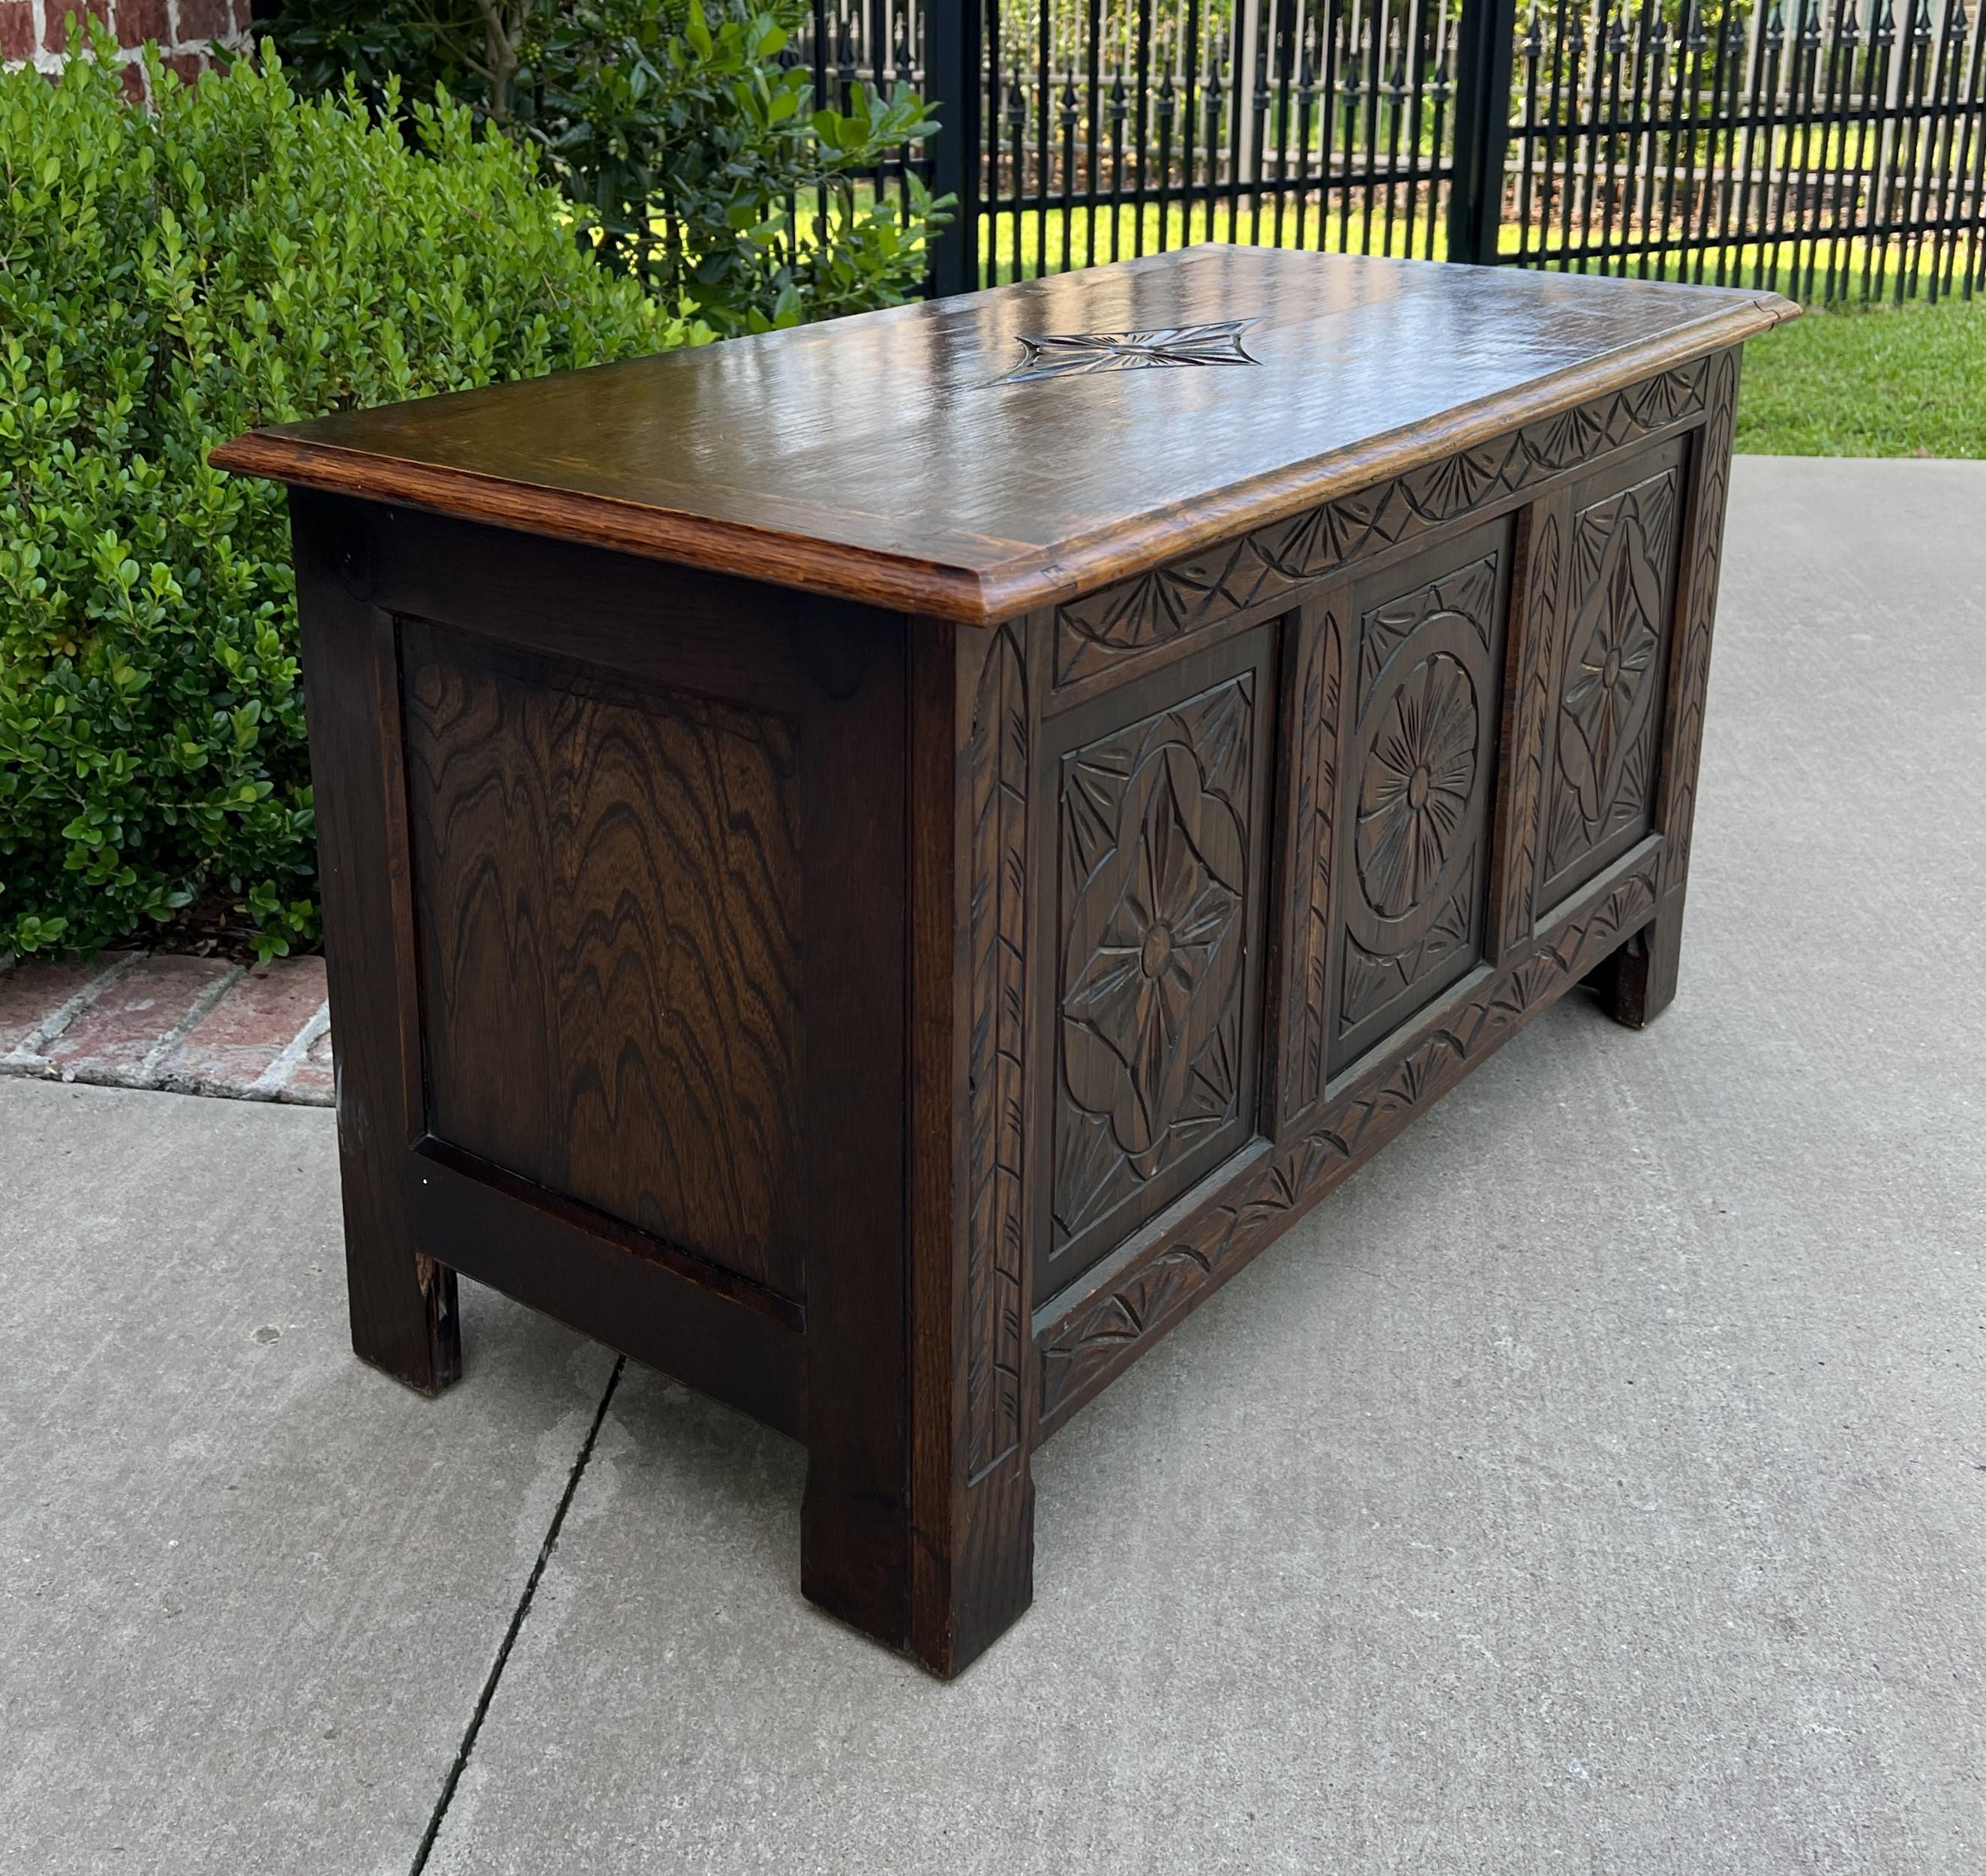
{"x":1007,"y":587}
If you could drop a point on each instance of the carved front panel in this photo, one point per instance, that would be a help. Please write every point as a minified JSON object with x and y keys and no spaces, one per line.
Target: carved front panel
{"x":1413,"y":848}
{"x":1601,"y":775}
{"x":1158,"y":856}
{"x":597,"y":1019}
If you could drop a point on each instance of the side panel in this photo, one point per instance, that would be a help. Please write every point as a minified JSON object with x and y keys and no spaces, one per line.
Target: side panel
{"x":610,"y":943}
{"x":625,"y":915}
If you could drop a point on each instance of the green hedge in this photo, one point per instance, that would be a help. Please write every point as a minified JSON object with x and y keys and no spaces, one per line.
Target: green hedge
{"x":235,"y":256}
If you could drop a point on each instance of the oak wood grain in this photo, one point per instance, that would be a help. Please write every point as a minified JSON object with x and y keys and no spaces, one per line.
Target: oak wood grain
{"x":597,"y":1020}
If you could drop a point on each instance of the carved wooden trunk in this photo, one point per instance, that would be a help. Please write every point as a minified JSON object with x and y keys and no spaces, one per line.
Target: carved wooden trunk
{"x":873,"y":867}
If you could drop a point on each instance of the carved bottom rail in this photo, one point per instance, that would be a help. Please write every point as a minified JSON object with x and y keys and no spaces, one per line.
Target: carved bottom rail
{"x":1173,"y":1271}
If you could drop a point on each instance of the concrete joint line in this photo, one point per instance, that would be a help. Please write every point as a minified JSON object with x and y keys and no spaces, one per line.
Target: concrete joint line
{"x":517,"y":1619}
{"x":26,"y":1058}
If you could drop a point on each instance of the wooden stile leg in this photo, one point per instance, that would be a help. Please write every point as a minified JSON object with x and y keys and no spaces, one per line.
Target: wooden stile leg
{"x":853,"y":1519}
{"x":972,"y":1492}
{"x":918,"y":1522}
{"x":1638,"y":982}
{"x":404,"y":1318}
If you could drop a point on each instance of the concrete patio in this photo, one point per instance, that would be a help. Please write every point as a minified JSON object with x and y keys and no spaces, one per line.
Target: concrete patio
{"x":1597,"y":1482}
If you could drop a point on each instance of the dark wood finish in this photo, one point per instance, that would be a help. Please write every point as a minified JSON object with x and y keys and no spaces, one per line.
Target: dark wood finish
{"x":895,"y":1025}
{"x":1154,"y":833}
{"x":1531,"y":682}
{"x":612,"y":1283}
{"x":598,"y":1023}
{"x":403,"y":1300}
{"x":854,"y":1519}
{"x":1642,"y":982}
{"x":1163,"y":1276}
{"x":895,"y":460}
{"x":1314,"y":694}
{"x":973,"y":1499}
{"x":1413,"y":863}
{"x":1603,"y":731}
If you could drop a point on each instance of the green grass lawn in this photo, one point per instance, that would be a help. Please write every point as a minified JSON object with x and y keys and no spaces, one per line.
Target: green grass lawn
{"x":1906,"y":380}
{"x":1881,"y":380}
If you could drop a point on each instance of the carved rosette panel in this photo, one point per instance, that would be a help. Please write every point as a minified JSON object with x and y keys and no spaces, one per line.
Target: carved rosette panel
{"x":1097,"y":1339}
{"x":1423,"y":750}
{"x":1102,"y":630}
{"x":1602,"y":782}
{"x":996,"y":758}
{"x":1155,"y":851}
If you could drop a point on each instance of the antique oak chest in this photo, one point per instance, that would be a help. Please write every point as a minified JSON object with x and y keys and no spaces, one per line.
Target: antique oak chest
{"x":873,"y":867}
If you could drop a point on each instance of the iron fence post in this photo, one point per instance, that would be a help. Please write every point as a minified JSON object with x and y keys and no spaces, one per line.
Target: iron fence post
{"x":953,"y":84}
{"x":1481,"y":129}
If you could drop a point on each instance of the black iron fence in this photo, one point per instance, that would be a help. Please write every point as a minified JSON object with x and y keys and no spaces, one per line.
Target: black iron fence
{"x":1836,"y":148}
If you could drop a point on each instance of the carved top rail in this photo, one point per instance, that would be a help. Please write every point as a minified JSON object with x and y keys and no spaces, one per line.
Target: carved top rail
{"x":1103,"y":630}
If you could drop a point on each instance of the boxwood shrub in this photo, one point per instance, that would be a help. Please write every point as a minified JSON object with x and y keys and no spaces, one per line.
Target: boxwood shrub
{"x":233,"y":255}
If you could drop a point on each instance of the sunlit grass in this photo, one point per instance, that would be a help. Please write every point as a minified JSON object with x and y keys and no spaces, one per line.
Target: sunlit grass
{"x":1907,"y":380}
{"x":1809,"y":268}
{"x":1857,"y":379}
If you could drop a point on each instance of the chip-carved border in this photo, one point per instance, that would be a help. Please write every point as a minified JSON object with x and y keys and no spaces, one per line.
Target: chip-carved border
{"x":1529,"y":702}
{"x":1705,"y":547}
{"x":1093,"y":633}
{"x":996,"y":764}
{"x":1319,"y":700}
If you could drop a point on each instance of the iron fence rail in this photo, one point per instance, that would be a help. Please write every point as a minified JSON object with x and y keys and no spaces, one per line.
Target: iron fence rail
{"x":1117,"y":131}
{"x":1836,"y":147}
{"x":1837,"y":154}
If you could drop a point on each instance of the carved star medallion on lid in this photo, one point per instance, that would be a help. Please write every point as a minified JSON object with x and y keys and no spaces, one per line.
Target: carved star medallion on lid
{"x":1061,"y":355}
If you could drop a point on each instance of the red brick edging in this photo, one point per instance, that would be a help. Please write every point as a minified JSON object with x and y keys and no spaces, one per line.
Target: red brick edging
{"x":190,"y":1026}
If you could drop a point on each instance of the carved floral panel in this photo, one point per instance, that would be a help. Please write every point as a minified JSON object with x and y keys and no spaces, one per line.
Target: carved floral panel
{"x":1602,"y":781}
{"x":1155,"y":856}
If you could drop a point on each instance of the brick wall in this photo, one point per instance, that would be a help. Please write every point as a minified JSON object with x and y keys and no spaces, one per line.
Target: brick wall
{"x":34,"y":30}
